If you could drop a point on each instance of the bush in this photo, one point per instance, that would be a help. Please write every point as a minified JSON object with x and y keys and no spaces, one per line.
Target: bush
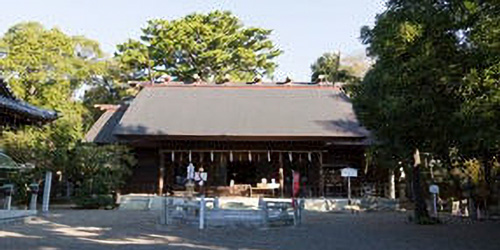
{"x":100,"y":169}
{"x":95,"y":201}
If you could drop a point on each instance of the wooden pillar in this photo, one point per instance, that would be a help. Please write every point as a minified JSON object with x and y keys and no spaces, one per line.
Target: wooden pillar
{"x":392,"y":185}
{"x":223,"y":171}
{"x":281,"y":176}
{"x":321,"y":176}
{"x":161,"y":174}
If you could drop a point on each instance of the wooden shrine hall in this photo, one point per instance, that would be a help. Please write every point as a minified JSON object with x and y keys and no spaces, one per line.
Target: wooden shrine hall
{"x":246,"y":137}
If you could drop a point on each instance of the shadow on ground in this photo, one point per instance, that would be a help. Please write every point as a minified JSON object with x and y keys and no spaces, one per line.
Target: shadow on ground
{"x":102,"y":229}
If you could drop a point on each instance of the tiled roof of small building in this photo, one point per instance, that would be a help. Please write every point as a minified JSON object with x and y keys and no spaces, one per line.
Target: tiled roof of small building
{"x":15,"y":111}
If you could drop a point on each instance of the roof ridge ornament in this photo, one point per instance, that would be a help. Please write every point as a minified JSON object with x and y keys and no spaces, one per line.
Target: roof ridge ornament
{"x":288,"y":80}
{"x":226,"y":79}
{"x":256,"y":80}
{"x":197,"y":79}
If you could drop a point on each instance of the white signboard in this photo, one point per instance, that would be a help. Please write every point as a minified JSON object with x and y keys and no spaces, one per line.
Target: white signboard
{"x":349,"y":172}
{"x":434,"y":189}
{"x":204,"y":176}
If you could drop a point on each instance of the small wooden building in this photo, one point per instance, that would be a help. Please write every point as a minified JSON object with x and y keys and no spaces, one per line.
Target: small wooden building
{"x":239,"y":134}
{"x":15,"y":113}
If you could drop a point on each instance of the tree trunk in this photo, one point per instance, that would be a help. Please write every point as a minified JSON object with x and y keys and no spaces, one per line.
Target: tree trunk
{"x":421,"y":213}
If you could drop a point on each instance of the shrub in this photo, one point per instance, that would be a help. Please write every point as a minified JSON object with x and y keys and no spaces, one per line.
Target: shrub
{"x":95,"y":201}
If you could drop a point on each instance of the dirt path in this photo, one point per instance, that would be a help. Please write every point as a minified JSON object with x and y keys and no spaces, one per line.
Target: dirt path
{"x":100,"y":229}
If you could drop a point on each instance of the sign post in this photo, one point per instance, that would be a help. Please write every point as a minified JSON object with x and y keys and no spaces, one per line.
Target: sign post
{"x":434,"y":190}
{"x":349,"y":172}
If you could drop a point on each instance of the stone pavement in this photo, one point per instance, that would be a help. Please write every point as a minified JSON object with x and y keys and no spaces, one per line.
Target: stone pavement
{"x":102,"y":229}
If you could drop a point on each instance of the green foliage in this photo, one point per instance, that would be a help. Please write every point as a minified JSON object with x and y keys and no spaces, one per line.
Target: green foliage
{"x":329,"y":66}
{"x":94,"y":170}
{"x":109,"y":91}
{"x":98,"y":172}
{"x":433,"y":80}
{"x":205,"y":45}
{"x":100,"y":169}
{"x":45,"y":67}
{"x":435,"y":83}
{"x":95,"y":201}
{"x":407,"y":97}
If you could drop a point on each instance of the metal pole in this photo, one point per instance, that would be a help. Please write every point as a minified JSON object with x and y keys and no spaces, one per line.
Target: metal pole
{"x":46,"y":191}
{"x":295,"y":214}
{"x":435,"y":205}
{"x":349,"y":190}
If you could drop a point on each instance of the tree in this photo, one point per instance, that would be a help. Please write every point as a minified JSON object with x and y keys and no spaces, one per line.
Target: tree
{"x":329,"y":66}
{"x":101,"y":170}
{"x":45,"y":67}
{"x":435,"y":79}
{"x":208,"y":46}
{"x":357,"y":64}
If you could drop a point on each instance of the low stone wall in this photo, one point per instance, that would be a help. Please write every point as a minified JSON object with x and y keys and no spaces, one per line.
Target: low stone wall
{"x":235,"y":217}
{"x":207,"y":212}
{"x":147,"y":202}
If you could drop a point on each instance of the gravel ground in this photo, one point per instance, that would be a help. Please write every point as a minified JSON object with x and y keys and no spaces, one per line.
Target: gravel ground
{"x":101,"y":229}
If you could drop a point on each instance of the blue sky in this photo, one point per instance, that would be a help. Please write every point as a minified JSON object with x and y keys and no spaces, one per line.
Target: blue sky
{"x":302,"y":29}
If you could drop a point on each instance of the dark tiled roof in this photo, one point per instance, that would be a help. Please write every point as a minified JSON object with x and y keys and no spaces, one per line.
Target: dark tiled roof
{"x":278,"y":111}
{"x":19,"y":111}
{"x":102,"y":130}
